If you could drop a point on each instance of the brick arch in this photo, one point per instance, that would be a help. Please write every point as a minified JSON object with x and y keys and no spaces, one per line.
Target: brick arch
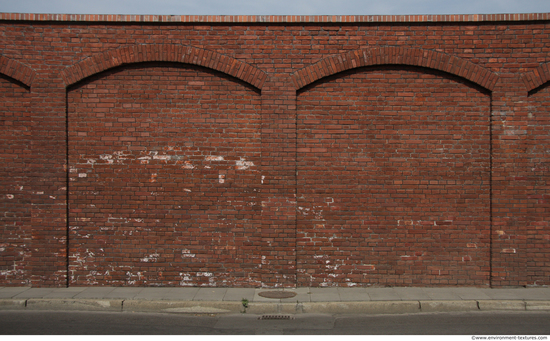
{"x":16,"y":70}
{"x":537,"y":77}
{"x":163,"y":53}
{"x":398,"y":56}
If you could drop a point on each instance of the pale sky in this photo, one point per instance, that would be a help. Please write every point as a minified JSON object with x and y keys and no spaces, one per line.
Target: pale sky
{"x":275,"y":7}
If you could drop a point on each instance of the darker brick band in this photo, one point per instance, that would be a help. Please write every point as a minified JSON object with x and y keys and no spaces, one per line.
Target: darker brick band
{"x":275,"y":18}
{"x":163,"y":53}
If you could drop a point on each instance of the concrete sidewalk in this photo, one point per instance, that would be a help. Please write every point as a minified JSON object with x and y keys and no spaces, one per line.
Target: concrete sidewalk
{"x":395,"y":300}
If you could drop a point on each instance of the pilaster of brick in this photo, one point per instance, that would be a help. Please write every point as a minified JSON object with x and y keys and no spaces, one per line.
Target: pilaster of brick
{"x":48,"y":169}
{"x":15,"y":156}
{"x":536,"y":176}
{"x":509,"y":223}
{"x":279,"y":182}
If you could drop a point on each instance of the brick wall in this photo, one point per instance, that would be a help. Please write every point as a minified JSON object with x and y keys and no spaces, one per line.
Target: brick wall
{"x":275,"y":151}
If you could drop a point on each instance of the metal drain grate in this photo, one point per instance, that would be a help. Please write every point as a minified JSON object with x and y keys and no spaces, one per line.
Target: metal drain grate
{"x":276,"y":317}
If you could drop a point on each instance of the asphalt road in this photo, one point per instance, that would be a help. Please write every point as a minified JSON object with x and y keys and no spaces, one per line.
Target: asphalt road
{"x":102,"y":323}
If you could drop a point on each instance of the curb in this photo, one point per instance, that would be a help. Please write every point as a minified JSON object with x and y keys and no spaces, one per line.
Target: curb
{"x":383,"y":307}
{"x":182,"y":307}
{"x":8,"y":304}
{"x":448,"y":306}
{"x":227,"y":307}
{"x":502,"y":305}
{"x":74,"y":304}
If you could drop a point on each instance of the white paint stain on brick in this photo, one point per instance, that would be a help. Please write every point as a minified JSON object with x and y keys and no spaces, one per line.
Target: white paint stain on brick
{"x":131,"y":278}
{"x":188,"y":165}
{"x":264,"y":261}
{"x":242,"y":164}
{"x":144,"y":160}
{"x":187,"y":253}
{"x":10,"y":196}
{"x":151,"y":258}
{"x":107,"y":158}
{"x":161,"y":157}
{"x":186,"y":280}
{"x":214,"y":158}
{"x":221,"y":178}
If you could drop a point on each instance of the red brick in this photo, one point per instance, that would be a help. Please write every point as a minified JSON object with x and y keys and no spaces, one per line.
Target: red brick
{"x":248,"y":151}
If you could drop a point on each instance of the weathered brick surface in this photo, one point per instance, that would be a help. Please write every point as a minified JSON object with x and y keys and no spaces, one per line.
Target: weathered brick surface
{"x":15,"y":151}
{"x":275,"y":151}
{"x":163,"y":179}
{"x":393,"y":179}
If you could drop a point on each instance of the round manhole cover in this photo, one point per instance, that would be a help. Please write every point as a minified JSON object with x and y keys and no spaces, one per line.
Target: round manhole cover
{"x":277,"y":294}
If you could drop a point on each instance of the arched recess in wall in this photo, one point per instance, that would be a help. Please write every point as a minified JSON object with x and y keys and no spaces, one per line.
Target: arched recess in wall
{"x":537,"y":78}
{"x":395,"y":56}
{"x":15,"y":133}
{"x":393,"y":169}
{"x":164,"y":149}
{"x":16,"y":70}
{"x":164,"y":53}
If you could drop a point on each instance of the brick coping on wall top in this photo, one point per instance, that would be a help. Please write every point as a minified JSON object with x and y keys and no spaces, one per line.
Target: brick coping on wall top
{"x":276,"y":18}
